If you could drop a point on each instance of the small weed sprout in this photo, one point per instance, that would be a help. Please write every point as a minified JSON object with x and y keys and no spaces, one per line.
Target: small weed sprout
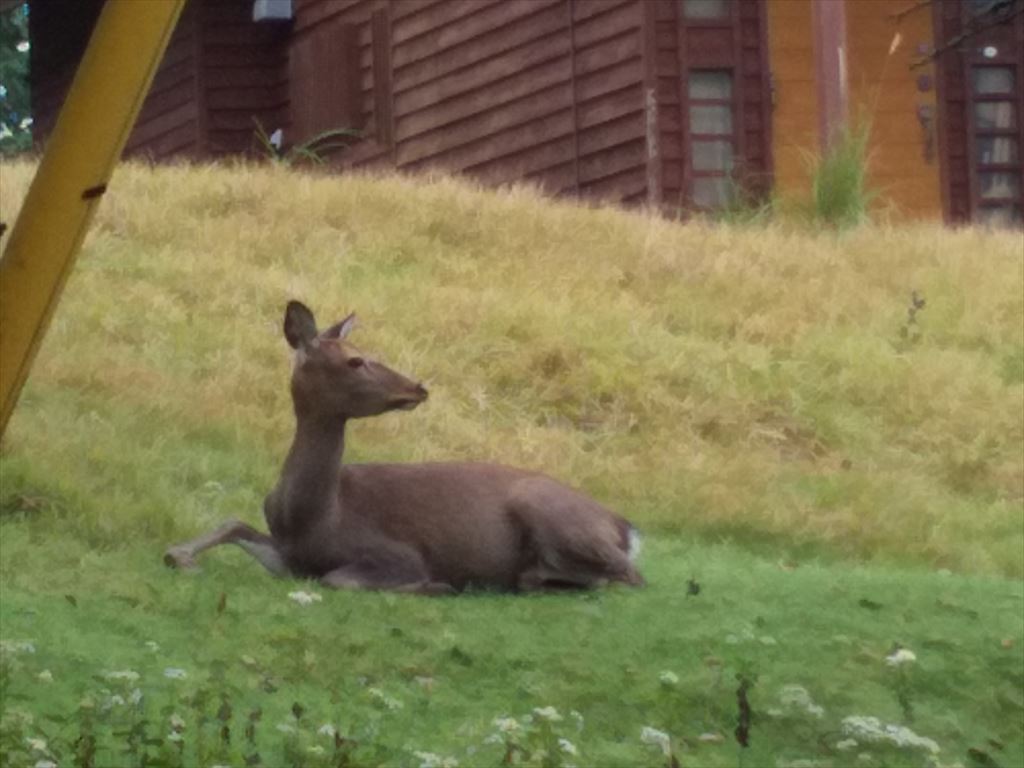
{"x":312,"y":151}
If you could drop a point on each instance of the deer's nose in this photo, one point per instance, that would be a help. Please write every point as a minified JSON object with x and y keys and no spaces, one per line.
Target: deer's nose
{"x":422,"y":391}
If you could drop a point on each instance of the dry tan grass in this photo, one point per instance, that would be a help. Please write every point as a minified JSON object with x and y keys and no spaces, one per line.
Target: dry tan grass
{"x":701,"y":378}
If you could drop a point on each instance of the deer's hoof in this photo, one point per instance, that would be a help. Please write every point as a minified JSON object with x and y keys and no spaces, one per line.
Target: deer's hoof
{"x":181,"y":559}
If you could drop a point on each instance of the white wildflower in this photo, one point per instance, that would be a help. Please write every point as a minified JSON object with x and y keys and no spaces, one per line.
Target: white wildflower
{"x":176,"y":721}
{"x":711,"y":738}
{"x":568,"y":747}
{"x":115,"y":701}
{"x":327,"y":730}
{"x":315,"y":749}
{"x":900,"y":656}
{"x":153,"y":646}
{"x":668,"y":678}
{"x":383,"y":700}
{"x":305,"y":598}
{"x":46,"y":676}
{"x":430,"y":760}
{"x":26,"y":123}
{"x":656,"y":738}
{"x":5,"y":132}
{"x":576,"y":718}
{"x":175,"y":673}
{"x":128,"y":675}
{"x":797,"y":697}
{"x":174,"y":737}
{"x":506,"y":724}
{"x":23,"y":46}
{"x":135,"y":697}
{"x":45,"y":764}
{"x":36,"y":745}
{"x":547,"y":713}
{"x":872,"y":729}
{"x":846,"y":744}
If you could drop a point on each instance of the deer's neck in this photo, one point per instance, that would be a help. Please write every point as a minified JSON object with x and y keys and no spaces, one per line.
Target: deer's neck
{"x":312,"y":470}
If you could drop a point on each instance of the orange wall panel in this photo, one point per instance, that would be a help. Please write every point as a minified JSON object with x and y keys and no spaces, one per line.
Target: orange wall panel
{"x":795,"y":100}
{"x":883,"y":88}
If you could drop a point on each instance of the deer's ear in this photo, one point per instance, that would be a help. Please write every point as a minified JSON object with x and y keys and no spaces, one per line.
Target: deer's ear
{"x":342,"y":329}
{"x":299,"y":325}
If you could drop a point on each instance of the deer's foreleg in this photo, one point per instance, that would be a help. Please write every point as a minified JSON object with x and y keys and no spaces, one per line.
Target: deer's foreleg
{"x":259,"y":545}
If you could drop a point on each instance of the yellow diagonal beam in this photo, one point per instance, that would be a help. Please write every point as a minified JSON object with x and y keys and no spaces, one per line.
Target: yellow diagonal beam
{"x":108,"y":90}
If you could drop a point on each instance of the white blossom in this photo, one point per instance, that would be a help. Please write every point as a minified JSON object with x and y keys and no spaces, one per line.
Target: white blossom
{"x":547,"y":713}
{"x":568,"y":747}
{"x":846,"y":744}
{"x":153,"y":646}
{"x":506,"y":724}
{"x":865,"y":728}
{"x":128,"y":675}
{"x":177,"y":723}
{"x":430,"y":760}
{"x":36,"y":745}
{"x":656,"y":738}
{"x":45,"y":764}
{"x":900,"y":656}
{"x":46,"y":676}
{"x":23,"y":46}
{"x":175,"y":673}
{"x":135,"y":697}
{"x":797,"y":697}
{"x":174,"y":736}
{"x":305,"y":598}
{"x":328,"y":730}
{"x":711,"y":738}
{"x":382,"y":699}
{"x":668,"y":678}
{"x":17,"y":646}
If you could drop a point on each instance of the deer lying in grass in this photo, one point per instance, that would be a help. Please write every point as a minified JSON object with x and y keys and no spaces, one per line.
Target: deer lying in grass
{"x":425,"y":528}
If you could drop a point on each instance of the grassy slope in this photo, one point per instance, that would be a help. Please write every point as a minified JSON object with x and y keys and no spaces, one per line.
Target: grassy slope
{"x":710,"y":381}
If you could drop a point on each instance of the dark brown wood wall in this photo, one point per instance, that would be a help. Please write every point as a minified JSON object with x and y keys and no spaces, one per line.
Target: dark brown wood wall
{"x":543,"y":90}
{"x":953,"y":130}
{"x":242,"y":75}
{"x":169,"y":122}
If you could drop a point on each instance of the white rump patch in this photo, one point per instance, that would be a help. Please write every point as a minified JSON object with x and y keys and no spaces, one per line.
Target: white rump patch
{"x":636,"y":543}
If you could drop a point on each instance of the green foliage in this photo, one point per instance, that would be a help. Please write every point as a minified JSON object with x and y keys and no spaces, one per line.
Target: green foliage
{"x":804,"y":441}
{"x":113,"y":660}
{"x":15,"y":106}
{"x":840,"y":195}
{"x":312,"y":151}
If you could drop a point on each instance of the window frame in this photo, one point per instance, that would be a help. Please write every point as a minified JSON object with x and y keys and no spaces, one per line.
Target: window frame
{"x":731,"y":137}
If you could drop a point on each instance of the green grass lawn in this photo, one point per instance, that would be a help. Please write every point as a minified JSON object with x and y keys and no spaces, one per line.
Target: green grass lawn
{"x":838,"y":480}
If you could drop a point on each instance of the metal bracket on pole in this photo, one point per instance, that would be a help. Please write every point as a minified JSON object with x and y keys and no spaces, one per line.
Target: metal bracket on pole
{"x":105,"y":98}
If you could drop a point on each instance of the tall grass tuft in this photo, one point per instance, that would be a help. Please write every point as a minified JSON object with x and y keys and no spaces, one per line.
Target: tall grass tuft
{"x":840,"y":194}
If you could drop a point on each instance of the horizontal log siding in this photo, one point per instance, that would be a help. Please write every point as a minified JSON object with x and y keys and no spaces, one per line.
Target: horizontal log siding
{"x":242,"y":77}
{"x":610,"y":100}
{"x":168,"y":123}
{"x":493,"y":88}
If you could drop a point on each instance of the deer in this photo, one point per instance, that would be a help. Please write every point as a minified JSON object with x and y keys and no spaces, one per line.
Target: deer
{"x":424,"y":528}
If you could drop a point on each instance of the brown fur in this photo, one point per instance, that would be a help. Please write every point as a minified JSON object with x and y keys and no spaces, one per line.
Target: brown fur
{"x":431,"y":528}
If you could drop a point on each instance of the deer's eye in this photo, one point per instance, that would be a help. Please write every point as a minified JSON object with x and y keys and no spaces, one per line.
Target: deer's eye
{"x":355,"y":362}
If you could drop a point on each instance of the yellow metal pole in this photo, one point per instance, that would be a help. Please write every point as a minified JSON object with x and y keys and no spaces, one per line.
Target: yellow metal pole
{"x":108,"y":90}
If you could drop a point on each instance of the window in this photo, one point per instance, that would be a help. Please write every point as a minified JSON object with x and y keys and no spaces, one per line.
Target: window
{"x":712,"y":136}
{"x":996,"y":137}
{"x":706,"y":9}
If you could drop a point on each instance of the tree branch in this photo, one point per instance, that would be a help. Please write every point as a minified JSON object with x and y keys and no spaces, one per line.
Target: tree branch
{"x":1000,"y":12}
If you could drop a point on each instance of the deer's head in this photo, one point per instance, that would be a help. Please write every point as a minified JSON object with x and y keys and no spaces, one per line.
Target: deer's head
{"x":332,"y":378}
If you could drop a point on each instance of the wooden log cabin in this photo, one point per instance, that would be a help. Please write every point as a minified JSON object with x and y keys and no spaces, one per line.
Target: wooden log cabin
{"x":677,"y":104}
